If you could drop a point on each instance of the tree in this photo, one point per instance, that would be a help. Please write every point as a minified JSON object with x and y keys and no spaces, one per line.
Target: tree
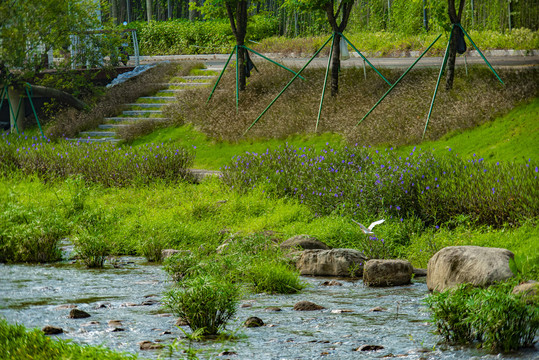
{"x":456,"y":32}
{"x":25,"y":38}
{"x":338,"y":13}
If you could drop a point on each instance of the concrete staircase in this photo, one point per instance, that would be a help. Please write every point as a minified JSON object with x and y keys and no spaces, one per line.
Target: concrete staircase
{"x":146,"y":108}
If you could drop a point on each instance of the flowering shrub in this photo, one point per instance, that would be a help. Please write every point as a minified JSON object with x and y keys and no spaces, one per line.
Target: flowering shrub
{"x":102,"y":163}
{"x":361,"y":182}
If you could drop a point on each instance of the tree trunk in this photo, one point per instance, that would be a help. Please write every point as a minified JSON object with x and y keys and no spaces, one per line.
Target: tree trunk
{"x":335,"y":65}
{"x":149,"y":10}
{"x":346,"y":8}
{"x":454,"y":17}
{"x":238,"y":23}
{"x":114,"y":11}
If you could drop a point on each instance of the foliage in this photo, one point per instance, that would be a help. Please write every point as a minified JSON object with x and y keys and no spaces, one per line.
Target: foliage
{"x":498,"y":319}
{"x":274,"y":277}
{"x":29,"y":235}
{"x":92,"y":248}
{"x":18,"y":343}
{"x":25,"y":37}
{"x":100,"y":163}
{"x":360,"y":182}
{"x":204,"y":302}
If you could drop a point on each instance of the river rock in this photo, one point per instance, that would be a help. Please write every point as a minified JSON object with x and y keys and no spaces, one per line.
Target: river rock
{"x":181,"y":322}
{"x":479,"y":266}
{"x":253,"y":321}
{"x":78,"y":314}
{"x":149,"y":345}
{"x":420,"y":272}
{"x":52,"y":330}
{"x":331,"y":283}
{"x":307,"y":306}
{"x":529,"y":290}
{"x":369,"y":348}
{"x":115,"y":323}
{"x":335,"y":262}
{"x":272,"y":308}
{"x":303,"y":242}
{"x":387,"y":272}
{"x":63,"y":307}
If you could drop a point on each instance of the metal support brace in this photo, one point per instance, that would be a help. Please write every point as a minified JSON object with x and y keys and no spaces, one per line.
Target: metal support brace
{"x":396,"y":82}
{"x":325,"y":81}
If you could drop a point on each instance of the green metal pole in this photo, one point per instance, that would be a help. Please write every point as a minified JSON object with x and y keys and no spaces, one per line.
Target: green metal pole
{"x":34,"y":110}
{"x":396,"y":82}
{"x":444,"y":62}
{"x":480,"y":53}
{"x":237,"y":78}
{"x":367,"y":60}
{"x":221,"y":75}
{"x":325,"y":82}
{"x":2,"y":96}
{"x":286,"y":87}
{"x":274,"y":62}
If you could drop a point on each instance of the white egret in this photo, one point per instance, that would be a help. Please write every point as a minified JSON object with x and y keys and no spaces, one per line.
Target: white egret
{"x":368,"y":231}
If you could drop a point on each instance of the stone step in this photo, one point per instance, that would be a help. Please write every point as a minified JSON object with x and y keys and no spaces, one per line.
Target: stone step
{"x":148,"y":105}
{"x":94,"y":140}
{"x":198,"y":77}
{"x":112,"y":126}
{"x":97,"y":133}
{"x":133,"y":119}
{"x":141,"y":112}
{"x":171,"y":91}
{"x":156,"y":98}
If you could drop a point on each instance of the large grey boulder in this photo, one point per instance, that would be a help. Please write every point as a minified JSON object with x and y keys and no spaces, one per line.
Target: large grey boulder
{"x":335,"y":262}
{"x":387,"y":272}
{"x":479,"y":266}
{"x":303,"y":242}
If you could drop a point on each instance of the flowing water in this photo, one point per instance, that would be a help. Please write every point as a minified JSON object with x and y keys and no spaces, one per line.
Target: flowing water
{"x":36,"y":295}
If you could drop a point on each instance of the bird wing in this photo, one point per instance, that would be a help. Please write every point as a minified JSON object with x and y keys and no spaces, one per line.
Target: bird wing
{"x":371,"y":226}
{"x":363,"y":228}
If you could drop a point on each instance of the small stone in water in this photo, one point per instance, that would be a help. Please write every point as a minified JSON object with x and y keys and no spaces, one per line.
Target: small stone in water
{"x":339,"y":311}
{"x":369,"y":348}
{"x":149,"y":302}
{"x":91,"y":323}
{"x":272,"y":308}
{"x":245,"y":305}
{"x":181,"y":322}
{"x":377,"y":309}
{"x":331,"y":283}
{"x":63,"y":307}
{"x":253,"y":321}
{"x":78,"y":314}
{"x":52,"y":330}
{"x":148,"y":345}
{"x":115,"y":323}
{"x":117,"y":329}
{"x":227,"y":353}
{"x":307,"y":306}
{"x":103,"y":305}
{"x":165,"y":333}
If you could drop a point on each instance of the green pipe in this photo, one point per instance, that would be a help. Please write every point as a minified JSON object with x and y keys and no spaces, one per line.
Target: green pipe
{"x":287,"y":85}
{"x":221,"y":75}
{"x":480,"y":53}
{"x":34,"y":110}
{"x":364,"y":58}
{"x":274,"y":62}
{"x":325,"y":82}
{"x":2,"y":96}
{"x":237,"y":77}
{"x":396,"y":82}
{"x":444,"y":62}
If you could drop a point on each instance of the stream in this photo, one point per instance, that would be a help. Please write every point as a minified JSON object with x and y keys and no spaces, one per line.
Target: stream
{"x":39,"y":295}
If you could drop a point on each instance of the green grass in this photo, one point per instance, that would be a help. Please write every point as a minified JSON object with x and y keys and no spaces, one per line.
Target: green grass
{"x":212,"y":154}
{"x":18,"y":343}
{"x":513,"y":137}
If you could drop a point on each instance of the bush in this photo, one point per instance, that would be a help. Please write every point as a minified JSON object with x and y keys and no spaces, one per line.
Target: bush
{"x":102,"y":163}
{"x":30,"y":235}
{"x":275,"y":278}
{"x":498,"y":319}
{"x":204,"y":302}
{"x":356,"y":181}
{"x":92,"y":248}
